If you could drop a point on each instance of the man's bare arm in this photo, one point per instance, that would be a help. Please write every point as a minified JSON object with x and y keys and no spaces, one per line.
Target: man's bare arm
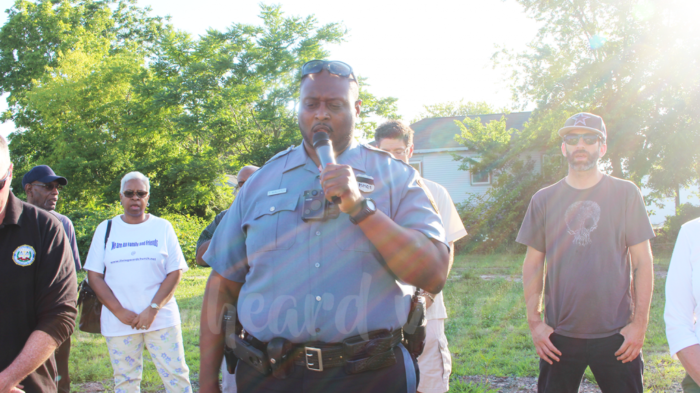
{"x":690,"y":358}
{"x":643,"y":281}
{"x":219,"y":292}
{"x":36,"y":351}
{"x":200,"y":253}
{"x":533,"y":284}
{"x":411,"y":255}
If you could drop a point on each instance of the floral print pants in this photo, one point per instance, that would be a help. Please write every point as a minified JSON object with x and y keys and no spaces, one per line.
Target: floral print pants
{"x":165,"y":347}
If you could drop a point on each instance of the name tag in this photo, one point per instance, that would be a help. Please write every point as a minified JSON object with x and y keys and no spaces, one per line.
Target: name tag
{"x":365,"y":183}
{"x":276,"y":192}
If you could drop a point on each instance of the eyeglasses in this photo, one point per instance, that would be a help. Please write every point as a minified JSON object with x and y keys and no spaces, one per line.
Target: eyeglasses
{"x":399,"y":152}
{"x":334,"y":67}
{"x":589,"y":139}
{"x":49,"y":187}
{"x":4,"y":180}
{"x":131,"y":193}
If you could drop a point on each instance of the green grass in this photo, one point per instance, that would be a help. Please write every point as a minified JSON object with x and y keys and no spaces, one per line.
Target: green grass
{"x":488,"y":333}
{"x":486,"y":329}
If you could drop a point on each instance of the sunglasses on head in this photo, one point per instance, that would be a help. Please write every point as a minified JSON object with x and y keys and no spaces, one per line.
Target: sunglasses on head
{"x":334,"y":67}
{"x":49,"y":187}
{"x":589,"y":139}
{"x":131,"y":193}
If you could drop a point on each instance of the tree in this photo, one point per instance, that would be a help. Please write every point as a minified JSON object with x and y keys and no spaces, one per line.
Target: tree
{"x":632,"y":62}
{"x":111,"y":90}
{"x":456,"y":108}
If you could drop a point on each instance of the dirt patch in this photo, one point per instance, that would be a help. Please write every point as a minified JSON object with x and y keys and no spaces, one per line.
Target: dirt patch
{"x":490,"y":277}
{"x":520,"y":384}
{"x":89,"y":387}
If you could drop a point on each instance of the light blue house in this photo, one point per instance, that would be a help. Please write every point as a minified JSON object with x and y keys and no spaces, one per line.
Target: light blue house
{"x":434,"y":146}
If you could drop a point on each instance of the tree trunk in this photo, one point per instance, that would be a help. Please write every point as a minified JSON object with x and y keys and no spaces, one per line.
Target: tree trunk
{"x":678,"y":197}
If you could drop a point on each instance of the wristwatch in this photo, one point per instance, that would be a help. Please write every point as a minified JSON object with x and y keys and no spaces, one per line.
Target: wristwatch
{"x":155,"y":306}
{"x":368,"y":208}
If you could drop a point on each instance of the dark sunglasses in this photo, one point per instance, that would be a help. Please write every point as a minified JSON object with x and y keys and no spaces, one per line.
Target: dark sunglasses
{"x":589,"y":139}
{"x":4,"y":180}
{"x":130,"y":193}
{"x":48,"y":187}
{"x":334,"y":67}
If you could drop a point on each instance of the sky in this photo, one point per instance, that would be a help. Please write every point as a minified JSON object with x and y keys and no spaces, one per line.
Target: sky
{"x":419,"y":52}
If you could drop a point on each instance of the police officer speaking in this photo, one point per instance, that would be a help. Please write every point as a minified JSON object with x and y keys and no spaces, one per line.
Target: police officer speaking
{"x":321,"y":262}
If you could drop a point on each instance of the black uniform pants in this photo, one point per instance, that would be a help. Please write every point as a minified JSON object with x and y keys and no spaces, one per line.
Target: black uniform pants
{"x":62,"y":354}
{"x":393,"y":379}
{"x":612,"y":375}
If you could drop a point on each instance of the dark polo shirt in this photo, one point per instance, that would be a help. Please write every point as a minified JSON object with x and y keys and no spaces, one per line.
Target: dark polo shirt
{"x":37,"y":284}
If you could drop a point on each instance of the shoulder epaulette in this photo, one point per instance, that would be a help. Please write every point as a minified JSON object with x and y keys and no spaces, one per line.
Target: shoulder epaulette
{"x":374,"y":149}
{"x":280,"y":154}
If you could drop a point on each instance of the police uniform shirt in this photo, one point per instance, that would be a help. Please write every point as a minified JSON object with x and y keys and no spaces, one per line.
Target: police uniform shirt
{"x":37,"y":277}
{"x":317,"y":281}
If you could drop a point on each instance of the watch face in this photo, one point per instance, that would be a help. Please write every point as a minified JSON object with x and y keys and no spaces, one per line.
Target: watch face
{"x":371,"y":205}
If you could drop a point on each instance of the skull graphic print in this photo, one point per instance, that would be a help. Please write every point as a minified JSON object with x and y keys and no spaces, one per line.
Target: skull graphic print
{"x":581,"y":220}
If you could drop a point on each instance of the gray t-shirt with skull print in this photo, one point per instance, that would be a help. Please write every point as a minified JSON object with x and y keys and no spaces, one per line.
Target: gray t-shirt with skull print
{"x":586,"y":235}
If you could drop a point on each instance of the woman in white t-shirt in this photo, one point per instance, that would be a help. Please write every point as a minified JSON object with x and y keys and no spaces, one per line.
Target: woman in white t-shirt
{"x":134,"y":270}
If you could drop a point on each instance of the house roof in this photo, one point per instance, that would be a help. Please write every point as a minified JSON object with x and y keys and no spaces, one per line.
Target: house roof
{"x":439,"y":132}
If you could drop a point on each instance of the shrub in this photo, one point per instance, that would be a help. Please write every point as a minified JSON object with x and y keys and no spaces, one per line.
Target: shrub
{"x":187,"y":228}
{"x":666,"y":237}
{"x":86,"y":219}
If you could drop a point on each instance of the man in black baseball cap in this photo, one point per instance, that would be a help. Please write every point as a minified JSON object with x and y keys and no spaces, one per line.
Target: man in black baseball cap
{"x":42,"y":186}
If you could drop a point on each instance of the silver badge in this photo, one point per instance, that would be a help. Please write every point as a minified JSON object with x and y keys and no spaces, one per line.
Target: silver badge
{"x":277,"y":192}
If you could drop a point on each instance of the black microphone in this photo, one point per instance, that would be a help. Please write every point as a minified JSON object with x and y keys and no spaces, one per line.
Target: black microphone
{"x":324,"y":148}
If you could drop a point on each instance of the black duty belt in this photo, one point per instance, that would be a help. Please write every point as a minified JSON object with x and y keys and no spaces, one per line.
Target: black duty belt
{"x":356,"y":354}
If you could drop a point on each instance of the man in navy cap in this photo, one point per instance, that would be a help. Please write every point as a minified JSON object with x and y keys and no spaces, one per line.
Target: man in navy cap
{"x":42,"y":186}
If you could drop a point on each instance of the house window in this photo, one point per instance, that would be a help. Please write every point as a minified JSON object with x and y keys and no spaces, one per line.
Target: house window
{"x":480,"y":178}
{"x":418,"y":165}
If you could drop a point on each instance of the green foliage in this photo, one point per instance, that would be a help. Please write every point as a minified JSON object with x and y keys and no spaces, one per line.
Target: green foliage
{"x":603,"y":57}
{"x":86,"y":219}
{"x":373,"y":108}
{"x":456,"y":108}
{"x":187,"y":228}
{"x":630,"y":62}
{"x":99,"y":88}
{"x":666,"y":237}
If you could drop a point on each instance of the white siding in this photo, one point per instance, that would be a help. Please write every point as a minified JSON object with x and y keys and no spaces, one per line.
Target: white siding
{"x":442,"y":169}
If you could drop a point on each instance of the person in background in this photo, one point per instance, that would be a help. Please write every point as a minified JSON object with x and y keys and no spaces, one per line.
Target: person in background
{"x":682,"y":297}
{"x":435,"y":363}
{"x":40,"y":292}
{"x":593,"y":231}
{"x":228,"y":381}
{"x":42,"y":186}
{"x":134,"y":265}
{"x":208,"y":232}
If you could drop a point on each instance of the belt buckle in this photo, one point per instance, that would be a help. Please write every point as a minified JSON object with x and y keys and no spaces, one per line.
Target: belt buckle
{"x":314,"y":360}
